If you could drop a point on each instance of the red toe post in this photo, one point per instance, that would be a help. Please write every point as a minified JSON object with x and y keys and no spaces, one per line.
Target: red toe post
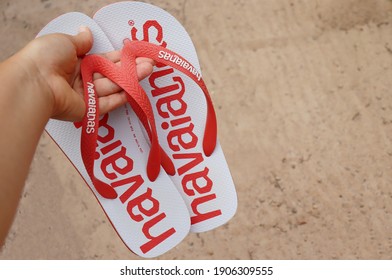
{"x":167,"y":163}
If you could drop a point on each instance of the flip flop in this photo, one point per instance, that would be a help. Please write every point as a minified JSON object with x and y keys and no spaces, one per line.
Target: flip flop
{"x":113,"y":157}
{"x":183,"y":110}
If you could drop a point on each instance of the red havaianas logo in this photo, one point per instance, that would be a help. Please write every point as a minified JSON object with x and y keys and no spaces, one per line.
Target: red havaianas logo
{"x":180,"y":137}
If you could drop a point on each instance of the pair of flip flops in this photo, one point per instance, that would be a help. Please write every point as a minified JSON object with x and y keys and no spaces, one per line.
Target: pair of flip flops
{"x":154,"y":165}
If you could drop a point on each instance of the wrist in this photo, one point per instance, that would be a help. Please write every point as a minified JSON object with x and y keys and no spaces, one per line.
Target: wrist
{"x":30,"y":82}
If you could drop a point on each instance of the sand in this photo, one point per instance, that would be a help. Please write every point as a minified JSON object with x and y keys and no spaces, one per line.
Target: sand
{"x":303,"y":97}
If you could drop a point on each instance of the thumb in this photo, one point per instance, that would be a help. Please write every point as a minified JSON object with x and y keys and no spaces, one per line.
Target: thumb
{"x":83,"y":41}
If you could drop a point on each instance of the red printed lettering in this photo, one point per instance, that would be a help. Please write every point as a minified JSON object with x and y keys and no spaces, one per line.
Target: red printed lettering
{"x":103,"y":123}
{"x":172,"y":101}
{"x":135,"y":181}
{"x":155,"y":240}
{"x":200,"y":217}
{"x":150,"y":26}
{"x":138,"y":203}
{"x":180,"y":135}
{"x":165,"y":89}
{"x":194,"y":180}
{"x":113,"y":161}
{"x":197,"y":158}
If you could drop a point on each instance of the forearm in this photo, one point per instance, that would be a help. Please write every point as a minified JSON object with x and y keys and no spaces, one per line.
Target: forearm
{"x":24,"y":111}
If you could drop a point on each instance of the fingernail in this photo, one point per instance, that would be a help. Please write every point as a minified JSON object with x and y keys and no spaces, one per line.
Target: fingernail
{"x":83,"y":29}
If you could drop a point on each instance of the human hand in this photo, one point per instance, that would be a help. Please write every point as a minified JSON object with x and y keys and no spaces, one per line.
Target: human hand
{"x":55,"y":59}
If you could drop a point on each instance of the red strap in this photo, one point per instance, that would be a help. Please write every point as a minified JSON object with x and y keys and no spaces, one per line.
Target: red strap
{"x":172,"y":59}
{"x":90,"y":132}
{"x":126,"y":77}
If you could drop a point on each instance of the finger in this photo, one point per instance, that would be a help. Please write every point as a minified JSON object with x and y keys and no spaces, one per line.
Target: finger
{"x":144,"y":70}
{"x":111,"y":102}
{"x":115,"y":56}
{"x":83,"y":41}
{"x":138,"y":62}
{"x":144,"y":59}
{"x":105,"y":86}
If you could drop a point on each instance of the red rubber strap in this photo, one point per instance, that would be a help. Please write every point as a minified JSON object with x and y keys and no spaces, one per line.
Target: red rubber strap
{"x":176,"y":61}
{"x":126,"y":77}
{"x":90,"y":125}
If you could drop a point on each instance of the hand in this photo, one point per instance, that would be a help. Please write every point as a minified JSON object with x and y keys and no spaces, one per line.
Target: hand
{"x":56,"y":59}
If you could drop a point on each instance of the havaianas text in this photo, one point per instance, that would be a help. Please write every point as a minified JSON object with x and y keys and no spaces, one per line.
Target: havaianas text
{"x":115,"y":155}
{"x":115,"y":164}
{"x":180,"y":137}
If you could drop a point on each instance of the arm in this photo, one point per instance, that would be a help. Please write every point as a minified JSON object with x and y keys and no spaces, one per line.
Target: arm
{"x":43,"y":81}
